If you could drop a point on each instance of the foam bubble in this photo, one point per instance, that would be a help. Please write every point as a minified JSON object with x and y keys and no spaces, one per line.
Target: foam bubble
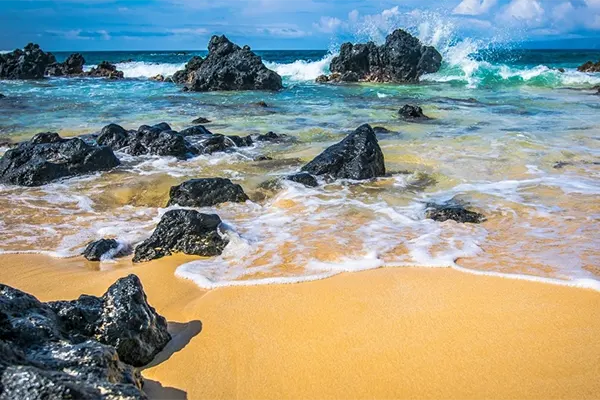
{"x":301,"y":70}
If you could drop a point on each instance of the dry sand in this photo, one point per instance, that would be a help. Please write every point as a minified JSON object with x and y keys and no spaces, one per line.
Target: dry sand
{"x":386,"y":333}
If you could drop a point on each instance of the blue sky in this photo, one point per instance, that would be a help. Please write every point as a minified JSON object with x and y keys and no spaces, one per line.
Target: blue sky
{"x":289,"y":24}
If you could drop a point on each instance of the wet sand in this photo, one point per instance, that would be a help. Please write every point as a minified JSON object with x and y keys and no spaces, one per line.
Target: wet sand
{"x":385,"y":333}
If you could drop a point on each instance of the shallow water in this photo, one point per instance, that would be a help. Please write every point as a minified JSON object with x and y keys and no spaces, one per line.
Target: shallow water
{"x":498,"y":130}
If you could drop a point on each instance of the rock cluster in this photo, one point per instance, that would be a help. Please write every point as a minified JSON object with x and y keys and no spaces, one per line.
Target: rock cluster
{"x":589,"y":66}
{"x":29,"y":63}
{"x":81,"y":349}
{"x":105,"y":70}
{"x":72,"y":66}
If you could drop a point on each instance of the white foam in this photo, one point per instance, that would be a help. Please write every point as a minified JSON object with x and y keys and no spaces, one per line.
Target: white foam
{"x":302,"y":70}
{"x":142,"y":69}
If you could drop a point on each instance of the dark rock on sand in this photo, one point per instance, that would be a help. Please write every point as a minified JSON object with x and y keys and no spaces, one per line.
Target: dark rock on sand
{"x":105,"y":70}
{"x":402,"y":58}
{"x":304,"y":178}
{"x":114,"y":136}
{"x":219,"y":143}
{"x":206,"y":192}
{"x":72,"y":66}
{"x":95,"y":250}
{"x":452,"y":211}
{"x":63,"y":350}
{"x":412,"y":113}
{"x":201,"y":120}
{"x":185,"y":231}
{"x":589,"y":66}
{"x":358,"y":156}
{"x":29,"y":63}
{"x":228,"y":67}
{"x":48,"y":157}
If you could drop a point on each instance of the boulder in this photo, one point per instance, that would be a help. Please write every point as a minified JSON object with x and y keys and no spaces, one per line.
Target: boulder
{"x":72,"y":66}
{"x":219,"y":143}
{"x":412,"y":113}
{"x":105,"y":70}
{"x":95,"y":250}
{"x":48,"y":157}
{"x":196,"y":131}
{"x":114,"y":136}
{"x":185,"y":231}
{"x":272,"y":137}
{"x":358,"y":156}
{"x":303,"y":178}
{"x":201,"y":120}
{"x":206,"y":192}
{"x":78,"y":349}
{"x":29,"y":63}
{"x":227,"y":67}
{"x":403,"y":58}
{"x":452,"y":211}
{"x":589,"y":66}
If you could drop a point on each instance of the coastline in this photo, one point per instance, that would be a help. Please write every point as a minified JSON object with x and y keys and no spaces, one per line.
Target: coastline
{"x":384,"y":333}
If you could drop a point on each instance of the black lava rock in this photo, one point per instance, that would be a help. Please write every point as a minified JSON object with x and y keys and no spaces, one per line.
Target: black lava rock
{"x":453,"y":211}
{"x":273,"y":137}
{"x":218,"y":143}
{"x":201,"y":120}
{"x":114,"y":136}
{"x":228,"y":67}
{"x":358,"y":156}
{"x":206,"y":192}
{"x":72,"y":66}
{"x":185,"y":231}
{"x":402,"y":58}
{"x":95,"y":250}
{"x":29,"y":63}
{"x":105,"y":70}
{"x":47,"y":157}
{"x":412,"y":113}
{"x":195,"y":131}
{"x":158,"y":141}
{"x":304,"y":178}
{"x":589,"y":66}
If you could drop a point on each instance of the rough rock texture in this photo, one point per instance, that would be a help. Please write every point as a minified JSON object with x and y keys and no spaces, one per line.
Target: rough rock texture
{"x":185,"y":231}
{"x":114,"y":136}
{"x":72,"y":66}
{"x":218,"y":143}
{"x":304,"y":178}
{"x":95,"y":250}
{"x":29,"y":63}
{"x":206,"y":192}
{"x":273,"y":137}
{"x":227,"y":67}
{"x":105,"y":70}
{"x":453,"y":211}
{"x":589,"y":66}
{"x":412,"y":113}
{"x":201,"y":120}
{"x":402,"y":58}
{"x":196,"y":131}
{"x":66,"y":350}
{"x":358,"y":156}
{"x":48,"y":157}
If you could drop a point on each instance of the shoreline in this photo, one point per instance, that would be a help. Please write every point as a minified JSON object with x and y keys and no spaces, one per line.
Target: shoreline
{"x":381,"y":333}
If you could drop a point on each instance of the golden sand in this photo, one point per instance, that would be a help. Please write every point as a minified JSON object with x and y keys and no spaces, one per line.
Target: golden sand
{"x":386,"y":333}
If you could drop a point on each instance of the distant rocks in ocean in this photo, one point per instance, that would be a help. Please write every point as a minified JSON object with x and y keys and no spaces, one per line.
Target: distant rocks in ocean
{"x":105,"y":70}
{"x":29,"y":63}
{"x":227,"y":67}
{"x":403,"y":58}
{"x":73,"y":65}
{"x":413,"y":113}
{"x":84,"y":349}
{"x":206,"y":192}
{"x":589,"y":66}
{"x":358,"y":157}
{"x":183,"y":231}
{"x":452,"y":211}
{"x":48,"y":157}
{"x":201,"y":120}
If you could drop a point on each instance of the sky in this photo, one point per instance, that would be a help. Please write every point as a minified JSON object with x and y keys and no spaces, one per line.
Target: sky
{"x":63,"y":25}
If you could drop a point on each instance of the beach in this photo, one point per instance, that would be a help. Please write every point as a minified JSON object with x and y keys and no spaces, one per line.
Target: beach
{"x":383,"y":333}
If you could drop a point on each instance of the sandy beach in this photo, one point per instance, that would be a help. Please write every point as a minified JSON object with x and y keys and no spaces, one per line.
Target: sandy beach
{"x":385,"y":333}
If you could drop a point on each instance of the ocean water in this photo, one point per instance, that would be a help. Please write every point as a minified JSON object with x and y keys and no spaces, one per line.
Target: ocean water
{"x":502,"y":120}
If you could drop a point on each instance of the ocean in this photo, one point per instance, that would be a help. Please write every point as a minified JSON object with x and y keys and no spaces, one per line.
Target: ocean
{"x":511,"y":135}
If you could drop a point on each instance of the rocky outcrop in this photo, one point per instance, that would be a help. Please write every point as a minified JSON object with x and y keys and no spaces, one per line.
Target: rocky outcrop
{"x":72,"y":66}
{"x":589,"y":66}
{"x":29,"y":63}
{"x":183,"y":231}
{"x":412,"y":113}
{"x":227,"y":67}
{"x":358,"y":156}
{"x":403,"y":58}
{"x":105,"y":70}
{"x":48,"y":157}
{"x":78,"y":349}
{"x":94,"y":251}
{"x":303,"y":178}
{"x":206,"y":192}
{"x":452,"y":211}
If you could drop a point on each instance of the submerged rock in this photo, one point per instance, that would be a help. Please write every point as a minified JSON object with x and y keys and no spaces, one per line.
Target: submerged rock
{"x":412,"y":113}
{"x":201,"y":120}
{"x":77,"y":349}
{"x":589,"y":66}
{"x":196,"y":131}
{"x":358,"y":156}
{"x":48,"y":157}
{"x":72,"y":66}
{"x":453,"y":211}
{"x":105,"y":70}
{"x":2,"y":96}
{"x":29,"y":63}
{"x":219,"y":143}
{"x":183,"y":231}
{"x":206,"y":192}
{"x":227,"y":67}
{"x":273,"y":137}
{"x":403,"y":58}
{"x":95,"y":250}
{"x":303,"y":178}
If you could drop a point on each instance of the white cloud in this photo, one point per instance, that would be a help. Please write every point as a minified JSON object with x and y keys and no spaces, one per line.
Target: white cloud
{"x":474,"y":7}
{"x":328,"y":24}
{"x":524,"y":10}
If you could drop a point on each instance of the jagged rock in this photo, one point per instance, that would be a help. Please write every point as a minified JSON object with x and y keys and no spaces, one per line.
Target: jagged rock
{"x":358,"y":156}
{"x":29,"y":63}
{"x":95,"y":250}
{"x":412,"y":113}
{"x":206,"y":192}
{"x":304,"y":178}
{"x":47,"y":157}
{"x":158,"y":78}
{"x":196,"y":131}
{"x":589,"y":66}
{"x":114,"y":136}
{"x":402,"y":58}
{"x":66,"y":350}
{"x":201,"y":120}
{"x":453,"y":211}
{"x":322,"y":79}
{"x":227,"y":67}
{"x":218,"y":143}
{"x":105,"y":70}
{"x":185,"y":231}
{"x":72,"y":66}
